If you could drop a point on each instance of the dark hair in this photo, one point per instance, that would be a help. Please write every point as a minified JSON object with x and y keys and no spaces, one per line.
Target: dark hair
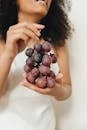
{"x":57,"y":25}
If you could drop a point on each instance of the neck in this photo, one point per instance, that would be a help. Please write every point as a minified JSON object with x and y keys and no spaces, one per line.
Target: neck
{"x":22,"y":17}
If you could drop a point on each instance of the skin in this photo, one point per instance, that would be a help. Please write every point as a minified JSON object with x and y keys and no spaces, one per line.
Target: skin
{"x":23,"y":34}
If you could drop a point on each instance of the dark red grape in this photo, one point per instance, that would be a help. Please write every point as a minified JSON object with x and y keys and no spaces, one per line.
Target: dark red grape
{"x":30,"y":62}
{"x":41,"y":82}
{"x":46,"y":60}
{"x":38,"y":47}
{"x":29,"y":52}
{"x":37,"y":57}
{"x":35,"y":72}
{"x":53,"y":57}
{"x":30,"y":78}
{"x":27,"y":68}
{"x":46,"y":46}
{"x":45,"y":70}
{"x":52,"y":74}
{"x":50,"y":82}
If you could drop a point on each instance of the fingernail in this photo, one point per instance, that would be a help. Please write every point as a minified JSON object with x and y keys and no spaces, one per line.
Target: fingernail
{"x":38,"y":33}
{"x":61,"y":75}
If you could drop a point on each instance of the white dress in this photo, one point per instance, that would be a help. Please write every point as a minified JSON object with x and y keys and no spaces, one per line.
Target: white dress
{"x":23,"y":108}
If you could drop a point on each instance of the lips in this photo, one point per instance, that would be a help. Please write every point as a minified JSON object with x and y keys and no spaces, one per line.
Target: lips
{"x":42,"y":1}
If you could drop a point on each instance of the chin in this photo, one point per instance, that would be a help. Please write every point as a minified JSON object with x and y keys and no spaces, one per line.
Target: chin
{"x":42,"y":13}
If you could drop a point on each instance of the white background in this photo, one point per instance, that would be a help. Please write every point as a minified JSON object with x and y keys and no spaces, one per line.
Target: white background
{"x":72,"y":113}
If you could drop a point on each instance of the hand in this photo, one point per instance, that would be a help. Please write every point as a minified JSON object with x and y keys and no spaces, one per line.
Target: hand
{"x":19,"y":35}
{"x":46,"y":91}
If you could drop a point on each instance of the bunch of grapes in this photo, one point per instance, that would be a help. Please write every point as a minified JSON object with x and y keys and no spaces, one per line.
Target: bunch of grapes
{"x":37,"y":67}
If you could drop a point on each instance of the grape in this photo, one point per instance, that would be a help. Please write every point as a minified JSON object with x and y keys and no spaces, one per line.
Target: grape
{"x":27,"y":68}
{"x":50,"y":82}
{"x":35,"y":72}
{"x":38,"y":47}
{"x":29,"y":52}
{"x":37,"y":57}
{"x":30,"y":78}
{"x":38,"y":63}
{"x":45,"y":70}
{"x":30,"y":62}
{"x":46,"y":60}
{"x":52,"y":74}
{"x":41,"y":82}
{"x":53,"y":57}
{"x":46,"y":46}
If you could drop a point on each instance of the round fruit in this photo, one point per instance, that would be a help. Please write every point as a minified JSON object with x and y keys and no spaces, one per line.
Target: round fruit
{"x":38,"y":47}
{"x":27,"y":68}
{"x":35,"y":72}
{"x":30,"y":62}
{"x":30,"y":78}
{"x":46,"y":46}
{"x":46,"y":60}
{"x":50,"y":82}
{"x":45,"y":70}
{"x":29,"y":52}
{"x":41,"y":82}
{"x":37,"y":57}
{"x":52,"y":74}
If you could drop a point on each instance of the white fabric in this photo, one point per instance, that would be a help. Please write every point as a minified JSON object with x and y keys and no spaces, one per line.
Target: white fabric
{"x":22,"y":108}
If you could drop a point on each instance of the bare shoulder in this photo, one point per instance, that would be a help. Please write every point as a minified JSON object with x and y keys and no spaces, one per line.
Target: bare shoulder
{"x":2,"y":45}
{"x":63,"y":50}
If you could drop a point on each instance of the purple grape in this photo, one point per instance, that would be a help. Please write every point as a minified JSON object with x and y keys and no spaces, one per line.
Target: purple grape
{"x":50,"y":82}
{"x":29,"y":52}
{"x":35,"y":72}
{"x":41,"y":82}
{"x":30,"y":62}
{"x":37,"y":57}
{"x":38,"y":47}
{"x":30,"y":78}
{"x":45,"y":70}
{"x":53,"y":57}
{"x":46,"y":46}
{"x":46,"y":60}
{"x":52,"y":74}
{"x":27,"y":68}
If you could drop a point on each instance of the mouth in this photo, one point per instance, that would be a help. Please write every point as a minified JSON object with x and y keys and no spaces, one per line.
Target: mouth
{"x":42,"y":1}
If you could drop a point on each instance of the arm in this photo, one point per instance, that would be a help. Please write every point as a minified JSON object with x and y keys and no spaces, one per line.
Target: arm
{"x":18,"y":36}
{"x":5,"y":63}
{"x":64,"y":85}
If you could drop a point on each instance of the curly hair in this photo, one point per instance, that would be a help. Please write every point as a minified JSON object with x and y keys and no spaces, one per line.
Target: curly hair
{"x":57,"y":24}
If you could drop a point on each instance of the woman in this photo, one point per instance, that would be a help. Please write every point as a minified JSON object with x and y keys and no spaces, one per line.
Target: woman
{"x":22,"y":24}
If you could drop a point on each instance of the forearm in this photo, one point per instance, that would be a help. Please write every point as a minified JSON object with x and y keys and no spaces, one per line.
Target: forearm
{"x":5,"y":64}
{"x":63,"y":91}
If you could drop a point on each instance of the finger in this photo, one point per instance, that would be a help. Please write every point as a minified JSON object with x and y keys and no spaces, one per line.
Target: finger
{"x":27,"y":32}
{"x":35,"y":88}
{"x":36,"y":28}
{"x":59,"y":76}
{"x":21,"y":36}
{"x":39,"y":26}
{"x":25,"y":24}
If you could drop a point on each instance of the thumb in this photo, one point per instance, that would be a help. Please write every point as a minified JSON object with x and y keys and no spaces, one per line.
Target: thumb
{"x":59,"y":76}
